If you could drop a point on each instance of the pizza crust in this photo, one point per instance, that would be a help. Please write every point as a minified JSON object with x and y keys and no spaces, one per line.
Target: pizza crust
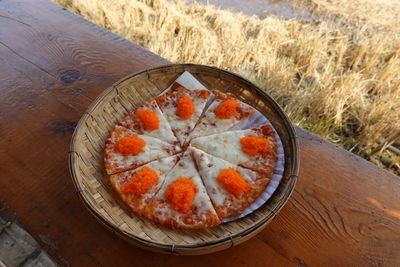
{"x":209,"y":150}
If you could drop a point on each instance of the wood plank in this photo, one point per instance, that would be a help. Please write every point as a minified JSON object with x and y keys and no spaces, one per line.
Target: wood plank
{"x":54,"y":45}
{"x":53,"y":63}
{"x":343,"y":207}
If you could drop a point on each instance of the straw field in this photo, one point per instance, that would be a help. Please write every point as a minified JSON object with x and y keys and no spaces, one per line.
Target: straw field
{"x":337,"y":75}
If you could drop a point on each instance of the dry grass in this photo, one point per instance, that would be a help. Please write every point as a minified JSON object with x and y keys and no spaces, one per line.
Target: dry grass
{"x":338,"y":76}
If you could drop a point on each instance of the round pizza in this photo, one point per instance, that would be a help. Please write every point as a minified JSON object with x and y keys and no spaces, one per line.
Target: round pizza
{"x":176,"y":161}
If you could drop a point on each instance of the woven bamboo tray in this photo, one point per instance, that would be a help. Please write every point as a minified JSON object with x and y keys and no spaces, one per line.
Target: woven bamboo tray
{"x":87,"y":171}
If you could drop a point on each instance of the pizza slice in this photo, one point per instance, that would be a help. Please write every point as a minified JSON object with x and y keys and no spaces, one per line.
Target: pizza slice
{"x":126,"y":150}
{"x":149,"y":120}
{"x":138,"y":186}
{"x":182,"y":108}
{"x":255,"y":149}
{"x":225,"y":112}
{"x":230,"y":187}
{"x":182,"y":202}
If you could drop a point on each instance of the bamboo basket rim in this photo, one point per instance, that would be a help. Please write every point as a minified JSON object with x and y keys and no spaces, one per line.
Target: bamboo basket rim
{"x":293,"y":173}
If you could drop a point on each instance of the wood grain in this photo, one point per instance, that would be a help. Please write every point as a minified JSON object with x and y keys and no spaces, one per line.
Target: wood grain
{"x":343,"y":205}
{"x":344,"y":211}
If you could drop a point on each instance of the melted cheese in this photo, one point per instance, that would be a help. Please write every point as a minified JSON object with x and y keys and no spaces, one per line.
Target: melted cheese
{"x":154,"y":149}
{"x":187,"y":169}
{"x":224,"y":145}
{"x":164,"y":132}
{"x":210,"y":167}
{"x":210,"y":124}
{"x":181,"y":127}
{"x":161,"y":167}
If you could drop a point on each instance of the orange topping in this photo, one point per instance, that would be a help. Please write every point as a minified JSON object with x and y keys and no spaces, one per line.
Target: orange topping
{"x":233,"y":182}
{"x":204,"y":93}
{"x":141,"y":181}
{"x":254,"y":145}
{"x":148,"y":118}
{"x":181,"y":194}
{"x":130,"y":145}
{"x":227,"y":109}
{"x":185,"y":107}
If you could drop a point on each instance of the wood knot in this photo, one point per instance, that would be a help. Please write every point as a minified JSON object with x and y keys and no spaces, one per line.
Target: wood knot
{"x":299,"y":262}
{"x":70,"y":76}
{"x":65,"y":126}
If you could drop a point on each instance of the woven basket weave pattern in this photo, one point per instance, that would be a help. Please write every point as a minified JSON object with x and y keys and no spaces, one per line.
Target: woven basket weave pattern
{"x":87,"y":171}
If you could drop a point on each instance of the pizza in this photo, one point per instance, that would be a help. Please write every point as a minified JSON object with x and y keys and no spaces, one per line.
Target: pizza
{"x":231,"y":188}
{"x":182,"y":108}
{"x":255,"y":149}
{"x":125,"y":149}
{"x":182,"y":201}
{"x":137,"y":187}
{"x":225,"y":112}
{"x":177,"y":163}
{"x":149,"y":120}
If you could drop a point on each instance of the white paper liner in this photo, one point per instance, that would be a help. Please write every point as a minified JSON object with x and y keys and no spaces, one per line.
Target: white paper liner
{"x":187,"y":80}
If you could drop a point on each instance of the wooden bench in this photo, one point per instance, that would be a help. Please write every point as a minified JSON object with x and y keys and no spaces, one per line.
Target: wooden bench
{"x":344,"y":210}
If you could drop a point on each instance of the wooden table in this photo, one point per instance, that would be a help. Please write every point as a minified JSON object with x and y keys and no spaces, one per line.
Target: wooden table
{"x":344,"y":210}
